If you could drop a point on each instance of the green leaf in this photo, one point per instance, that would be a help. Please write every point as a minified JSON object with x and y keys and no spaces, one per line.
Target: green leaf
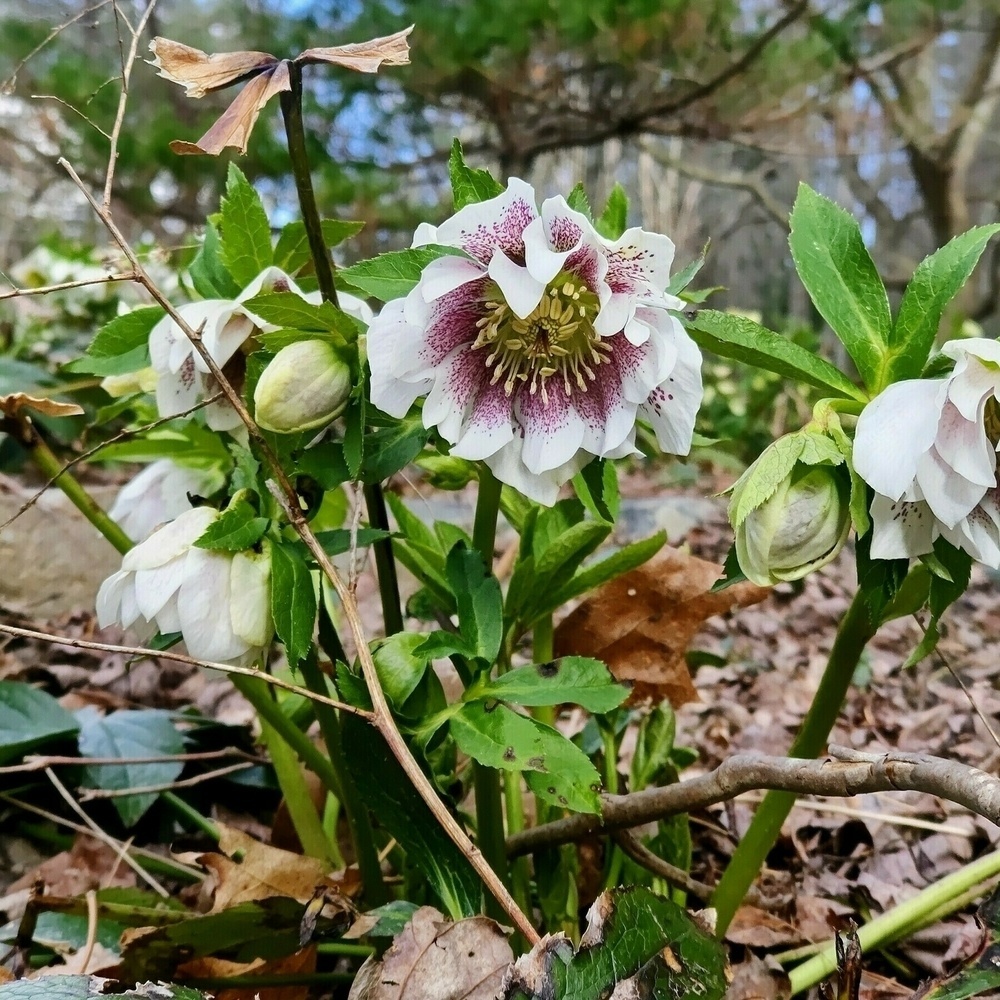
{"x":467,"y":184}
{"x":400,"y":665}
{"x":480,"y":604}
{"x":654,"y":745}
{"x":130,"y":734}
{"x":237,"y":528}
{"x":391,"y":918}
{"x":30,"y":718}
{"x":287,"y":309}
{"x":841,"y":278}
{"x":743,"y":340}
{"x":934,"y":284}
{"x":556,"y":769}
{"x":687,"y":274}
{"x":757,"y":485}
{"x":613,"y":220}
{"x":633,"y":934}
{"x":597,"y":488}
{"x":292,"y":250}
{"x":624,"y":560}
{"x":90,"y":988}
{"x":245,"y":239}
{"x":121,"y":346}
{"x":393,"y":275}
{"x":336,"y":541}
{"x":354,"y":432}
{"x":579,"y":202}
{"x":577,"y":679}
{"x":392,"y":448}
{"x":190,"y":444}
{"x":399,"y":810}
{"x":293,"y":601}
{"x":208,"y":274}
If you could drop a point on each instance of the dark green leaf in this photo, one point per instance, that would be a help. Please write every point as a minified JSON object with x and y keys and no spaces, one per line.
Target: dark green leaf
{"x":841,"y":278}
{"x":934,"y":284}
{"x":325,"y":463}
{"x":597,"y":488}
{"x":354,"y":432}
{"x":397,"y":807}
{"x":576,"y":679}
{"x":130,"y":734}
{"x":686,"y":275}
{"x":293,"y":601}
{"x":612,"y":221}
{"x":245,"y":239}
{"x":743,"y":340}
{"x":480,"y":605}
{"x":208,"y":273}
{"x":555,"y":769}
{"x":190,"y":443}
{"x":393,"y":275}
{"x":286,"y":309}
{"x":237,"y":528}
{"x":731,"y":572}
{"x":29,"y":718}
{"x":400,"y":665}
{"x":122,"y":345}
{"x":390,"y":919}
{"x":392,"y":448}
{"x":339,"y":540}
{"x":467,"y":184}
{"x":292,"y":251}
{"x":653,"y":747}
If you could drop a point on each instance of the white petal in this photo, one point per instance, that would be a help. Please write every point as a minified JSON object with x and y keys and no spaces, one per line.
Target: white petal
{"x":266,"y":281}
{"x":521,"y":291}
{"x":167,"y":619}
{"x":948,"y":495}
{"x":673,"y":406}
{"x":901,"y":530}
{"x":553,"y":430}
{"x":543,"y":488}
{"x":160,"y":341}
{"x":483,"y":228}
{"x":171,"y":540}
{"x":639,"y":261}
{"x":487,"y":427}
{"x":109,"y":597}
{"x":542,"y":261}
{"x":968,"y":388}
{"x":984,"y":348}
{"x":224,"y":339}
{"x":178,"y":392}
{"x":355,"y":307}
{"x":964,"y":446}
{"x":393,"y":356}
{"x":154,"y":587}
{"x":425,"y":233}
{"x":250,"y":601}
{"x":614,"y":314}
{"x":894,"y":430}
{"x":220,"y":416}
{"x":202,"y":602}
{"x":445,"y":275}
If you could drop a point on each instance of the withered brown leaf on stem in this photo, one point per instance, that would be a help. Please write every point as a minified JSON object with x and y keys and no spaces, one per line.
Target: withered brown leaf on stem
{"x":202,"y":73}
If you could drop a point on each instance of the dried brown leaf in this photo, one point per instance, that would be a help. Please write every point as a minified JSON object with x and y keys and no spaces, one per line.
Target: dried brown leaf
{"x":364,"y":57}
{"x":89,"y":864}
{"x":235,"y":125}
{"x":200,"y":72}
{"x":13,"y":403}
{"x":758,"y":979}
{"x":303,"y":961}
{"x":642,"y":623}
{"x":436,"y":959}
{"x":757,"y":928}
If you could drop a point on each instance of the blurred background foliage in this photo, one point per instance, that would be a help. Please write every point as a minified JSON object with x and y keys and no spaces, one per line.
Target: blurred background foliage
{"x":709,"y":112}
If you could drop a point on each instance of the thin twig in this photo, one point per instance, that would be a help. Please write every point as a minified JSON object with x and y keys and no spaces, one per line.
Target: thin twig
{"x":16,"y":292}
{"x":381,"y":717}
{"x":88,"y":794}
{"x":88,"y":948}
{"x":41,"y":763}
{"x":671,"y":874}
{"x":168,"y":654}
{"x":845,"y":772}
{"x":106,"y":838}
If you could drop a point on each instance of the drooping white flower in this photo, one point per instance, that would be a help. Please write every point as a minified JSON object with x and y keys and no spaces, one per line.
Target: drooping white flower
{"x":183,"y":376}
{"x":538,"y":348}
{"x":218,"y":601}
{"x":157,"y":494}
{"x":928,"y":447}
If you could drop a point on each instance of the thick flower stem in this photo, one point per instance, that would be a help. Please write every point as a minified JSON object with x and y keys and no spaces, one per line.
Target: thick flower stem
{"x":489,"y":810}
{"x":748,"y":859}
{"x":42,"y":455}
{"x":385,"y":561}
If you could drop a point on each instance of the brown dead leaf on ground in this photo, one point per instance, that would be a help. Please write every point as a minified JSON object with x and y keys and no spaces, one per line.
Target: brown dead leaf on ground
{"x":88,"y":864}
{"x":757,"y":928}
{"x":303,"y":961}
{"x":247,"y":870}
{"x":436,"y":959}
{"x":758,"y":979}
{"x":642,"y":624}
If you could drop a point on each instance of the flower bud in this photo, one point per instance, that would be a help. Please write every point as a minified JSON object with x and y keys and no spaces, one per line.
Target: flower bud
{"x":305,"y":386}
{"x":117,"y":386}
{"x":800,"y":527}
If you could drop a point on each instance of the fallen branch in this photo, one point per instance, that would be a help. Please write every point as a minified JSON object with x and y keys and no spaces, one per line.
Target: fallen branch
{"x":844,"y":772}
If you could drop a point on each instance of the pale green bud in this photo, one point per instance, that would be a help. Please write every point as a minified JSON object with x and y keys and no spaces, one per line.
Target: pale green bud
{"x":800,"y":527}
{"x":305,"y":386}
{"x":143,"y":380}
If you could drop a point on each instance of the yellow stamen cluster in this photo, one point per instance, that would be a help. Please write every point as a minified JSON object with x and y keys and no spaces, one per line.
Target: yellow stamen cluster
{"x":557,"y":340}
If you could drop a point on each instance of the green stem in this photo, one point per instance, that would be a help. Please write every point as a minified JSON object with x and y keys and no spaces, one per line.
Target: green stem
{"x":298,"y":800}
{"x":748,"y":859}
{"x":489,"y":810}
{"x":191,"y":814}
{"x":365,"y":850}
{"x":47,"y":462}
{"x":895,"y":922}
{"x":252,"y":982}
{"x":385,"y":561}
{"x":345,"y":948}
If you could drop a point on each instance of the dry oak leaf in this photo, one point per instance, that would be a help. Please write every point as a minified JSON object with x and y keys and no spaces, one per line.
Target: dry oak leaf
{"x":642,"y":623}
{"x":12,"y":404}
{"x":247,"y":870}
{"x":436,"y":959}
{"x":300,"y":962}
{"x":201,"y":73}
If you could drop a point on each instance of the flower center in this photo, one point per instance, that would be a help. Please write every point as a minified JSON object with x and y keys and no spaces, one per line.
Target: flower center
{"x":555,"y":342}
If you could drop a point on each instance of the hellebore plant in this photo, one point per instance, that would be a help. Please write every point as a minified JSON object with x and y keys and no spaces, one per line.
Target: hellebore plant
{"x":527,"y":350}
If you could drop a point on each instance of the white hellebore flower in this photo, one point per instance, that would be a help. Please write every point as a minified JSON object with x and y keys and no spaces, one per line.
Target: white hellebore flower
{"x":928,"y":447}
{"x":157,"y":494}
{"x":538,"y":349}
{"x":183,"y":376}
{"x":219,"y":601}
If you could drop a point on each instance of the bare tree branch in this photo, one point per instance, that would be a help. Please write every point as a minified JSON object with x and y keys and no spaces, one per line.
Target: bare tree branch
{"x":845,"y":772}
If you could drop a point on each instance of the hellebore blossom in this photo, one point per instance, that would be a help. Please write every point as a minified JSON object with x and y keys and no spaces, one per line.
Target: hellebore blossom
{"x":159,"y":493}
{"x":226,"y":324}
{"x":539,"y":346}
{"x":799,"y":528}
{"x":928,"y":447}
{"x":218,"y":601}
{"x":305,"y":386}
